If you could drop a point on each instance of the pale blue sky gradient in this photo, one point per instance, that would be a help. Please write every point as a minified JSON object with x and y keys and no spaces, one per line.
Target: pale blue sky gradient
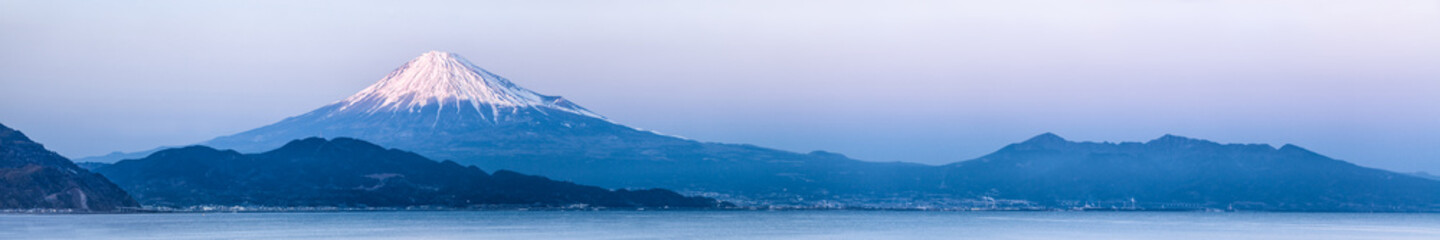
{"x":919,"y":81}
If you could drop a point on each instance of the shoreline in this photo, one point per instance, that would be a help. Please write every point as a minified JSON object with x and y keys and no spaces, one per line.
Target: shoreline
{"x":254,"y":209}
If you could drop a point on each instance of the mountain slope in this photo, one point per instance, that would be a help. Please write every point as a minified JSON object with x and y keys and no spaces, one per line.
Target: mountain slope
{"x":32,"y":177}
{"x":1182,"y":172}
{"x":352,"y":173}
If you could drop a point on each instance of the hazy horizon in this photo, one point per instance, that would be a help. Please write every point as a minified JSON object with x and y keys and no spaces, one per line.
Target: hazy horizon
{"x":878,"y":81}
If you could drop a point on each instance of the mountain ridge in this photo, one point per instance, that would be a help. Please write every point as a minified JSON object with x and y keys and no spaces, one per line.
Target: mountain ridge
{"x":1191,"y":173}
{"x":346,"y":172}
{"x":32,"y":177}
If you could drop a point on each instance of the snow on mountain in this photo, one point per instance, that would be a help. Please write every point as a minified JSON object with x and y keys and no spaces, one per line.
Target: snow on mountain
{"x":447,"y":79}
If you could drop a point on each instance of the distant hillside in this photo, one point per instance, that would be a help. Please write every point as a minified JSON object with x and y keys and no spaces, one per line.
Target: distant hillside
{"x":32,"y":177}
{"x":352,"y":173}
{"x":1426,"y":175}
{"x":91,"y":165}
{"x":1180,"y":172}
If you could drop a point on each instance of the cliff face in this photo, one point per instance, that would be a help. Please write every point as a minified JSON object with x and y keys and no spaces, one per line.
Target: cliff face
{"x":32,"y":177}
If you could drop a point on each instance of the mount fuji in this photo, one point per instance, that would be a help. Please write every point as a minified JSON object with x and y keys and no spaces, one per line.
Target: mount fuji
{"x":438,"y":104}
{"x":444,"y":107}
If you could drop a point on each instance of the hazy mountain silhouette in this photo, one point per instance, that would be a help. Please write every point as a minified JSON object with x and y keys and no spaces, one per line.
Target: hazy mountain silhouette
{"x":1182,"y":172}
{"x":353,"y":173}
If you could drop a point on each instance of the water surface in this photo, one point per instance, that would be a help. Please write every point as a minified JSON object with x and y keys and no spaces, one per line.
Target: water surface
{"x":723,"y":225}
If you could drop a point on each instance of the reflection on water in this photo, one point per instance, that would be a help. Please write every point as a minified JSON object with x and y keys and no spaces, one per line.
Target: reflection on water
{"x":724,"y":225}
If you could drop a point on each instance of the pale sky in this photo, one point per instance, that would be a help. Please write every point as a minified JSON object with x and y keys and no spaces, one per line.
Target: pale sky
{"x":917,"y":81}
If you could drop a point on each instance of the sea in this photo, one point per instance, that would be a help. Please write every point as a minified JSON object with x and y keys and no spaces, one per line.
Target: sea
{"x":811,"y":224}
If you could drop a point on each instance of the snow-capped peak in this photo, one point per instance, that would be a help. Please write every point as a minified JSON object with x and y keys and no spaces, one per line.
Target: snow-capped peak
{"x":446,"y":78}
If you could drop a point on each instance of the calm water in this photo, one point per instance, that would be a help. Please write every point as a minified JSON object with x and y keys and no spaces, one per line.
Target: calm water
{"x":724,"y":225}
